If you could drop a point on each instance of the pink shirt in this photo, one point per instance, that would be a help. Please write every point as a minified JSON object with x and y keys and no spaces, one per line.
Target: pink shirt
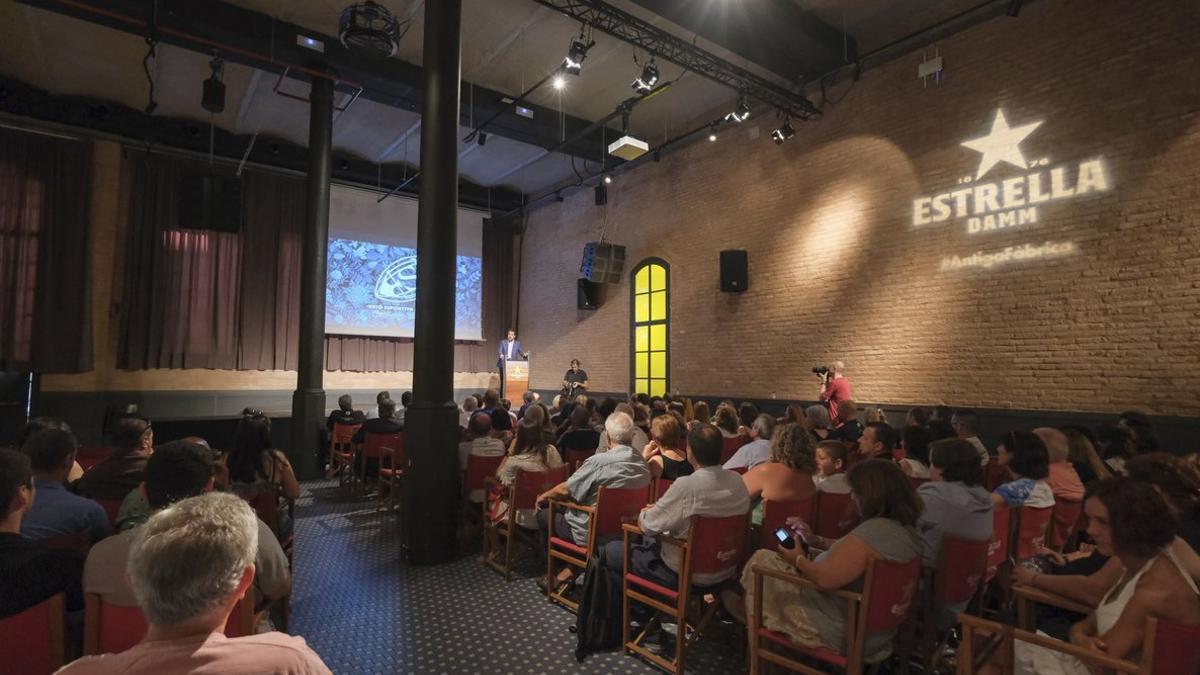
{"x":837,"y":391}
{"x":1064,"y":482}
{"x":268,"y":653}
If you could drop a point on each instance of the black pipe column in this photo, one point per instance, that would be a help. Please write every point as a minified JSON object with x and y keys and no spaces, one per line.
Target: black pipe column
{"x":308,"y":401}
{"x":431,"y":423}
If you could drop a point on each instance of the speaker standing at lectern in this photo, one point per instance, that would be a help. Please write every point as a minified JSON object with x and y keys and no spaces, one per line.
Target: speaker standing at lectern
{"x":509,"y":350}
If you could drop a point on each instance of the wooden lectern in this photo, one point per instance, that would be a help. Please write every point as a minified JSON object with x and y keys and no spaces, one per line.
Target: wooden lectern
{"x":516,"y":380}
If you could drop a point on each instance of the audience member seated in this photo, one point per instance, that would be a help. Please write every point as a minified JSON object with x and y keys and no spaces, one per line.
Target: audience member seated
{"x":1081,"y":451}
{"x":700,"y":414}
{"x":914,"y":443}
{"x":620,"y":467}
{"x":121,"y":472}
{"x":878,"y":441}
{"x":641,"y":419}
{"x":848,"y":428}
{"x":758,"y":450}
{"x":179,"y":470}
{"x":386,"y":423}
{"x":579,"y":434}
{"x":30,"y":572}
{"x":402,"y":411}
{"x":374,"y":412}
{"x":817,"y":618}
{"x":187,"y":605}
{"x":135,"y":508}
{"x":726,"y":421}
{"x":966,"y":425}
{"x":1116,"y":446}
{"x":916,"y":417}
{"x":345,"y":414}
{"x":940,"y":429}
{"x":1141,"y":429}
{"x":1029,"y":464}
{"x":1063,"y":480}
{"x":482,"y":443}
{"x":56,"y":511}
{"x":469,"y":405}
{"x":747,"y":414}
{"x":1131,"y":521}
{"x":818,"y":423}
{"x":1179,"y":481}
{"x":663,"y":453}
{"x":831,"y":468}
{"x":499,"y":416}
{"x":530,"y":452}
{"x":256,"y":467}
{"x":710,"y":491}
{"x":789,"y":474}
{"x":37,"y":424}
{"x":640,"y":437}
{"x":527,"y":399}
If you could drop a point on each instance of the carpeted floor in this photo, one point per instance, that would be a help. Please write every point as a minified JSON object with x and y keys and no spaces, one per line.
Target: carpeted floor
{"x":365,"y":611}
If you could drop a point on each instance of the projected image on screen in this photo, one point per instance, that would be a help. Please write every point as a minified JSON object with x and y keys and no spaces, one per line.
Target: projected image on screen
{"x":371,"y":289}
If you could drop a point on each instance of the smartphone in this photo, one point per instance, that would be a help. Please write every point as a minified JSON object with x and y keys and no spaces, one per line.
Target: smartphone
{"x":786,"y":540}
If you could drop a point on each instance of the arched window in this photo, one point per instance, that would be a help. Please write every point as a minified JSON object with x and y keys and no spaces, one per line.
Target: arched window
{"x":650,"y":368}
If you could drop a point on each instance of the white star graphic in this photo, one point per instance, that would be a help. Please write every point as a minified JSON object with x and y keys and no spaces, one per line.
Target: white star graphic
{"x":1002,"y":144}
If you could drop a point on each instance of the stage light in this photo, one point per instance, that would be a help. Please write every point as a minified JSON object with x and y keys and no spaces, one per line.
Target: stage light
{"x":784,"y":132}
{"x":712,"y":134}
{"x":212,"y":96}
{"x":608,"y":180}
{"x":559,"y":82}
{"x":649,"y":77}
{"x":740,"y":113}
{"x":576,"y":53}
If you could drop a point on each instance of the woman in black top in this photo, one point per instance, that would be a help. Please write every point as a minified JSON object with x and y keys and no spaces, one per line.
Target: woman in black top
{"x":666,"y":453}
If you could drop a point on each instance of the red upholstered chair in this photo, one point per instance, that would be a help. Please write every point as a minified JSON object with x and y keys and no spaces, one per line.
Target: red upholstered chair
{"x":112,"y":507}
{"x":882,"y":606}
{"x":730,"y":446}
{"x":1029,"y":531}
{"x":613,"y":507}
{"x":917,"y":482}
{"x":91,"y":455}
{"x":109,"y":628}
{"x":994,"y":473}
{"x":376,"y":447}
{"x":660,"y":487}
{"x":835,"y":515}
{"x":573,"y":457}
{"x":390,"y":450}
{"x":1064,"y":523}
{"x":31,"y":642}
{"x":962,"y":565}
{"x":522,"y":495}
{"x":775,"y":515}
{"x":479,"y":468}
{"x":74,"y":541}
{"x":713,"y":545}
{"x":998,"y":546}
{"x":342,"y":451}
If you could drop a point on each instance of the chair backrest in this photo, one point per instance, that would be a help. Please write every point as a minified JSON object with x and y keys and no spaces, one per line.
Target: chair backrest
{"x":72,"y":541}
{"x":835,"y":515}
{"x":576,"y":456}
{"x":378,"y":445}
{"x":998,"y":545}
{"x":112,"y":507}
{"x":1031,"y":531}
{"x":343,"y":434}
{"x":91,"y":455}
{"x":888,"y":593}
{"x":961,"y":568}
{"x":530,"y":484}
{"x":1064,"y":522}
{"x":614,"y":506}
{"x":31,"y":641}
{"x":661,"y":485}
{"x":479,"y":467}
{"x":729,"y":446}
{"x":776,"y":513}
{"x":716,"y":544}
{"x":1175,"y":649}
{"x":109,"y":628}
{"x":994,"y":474}
{"x":266,"y":506}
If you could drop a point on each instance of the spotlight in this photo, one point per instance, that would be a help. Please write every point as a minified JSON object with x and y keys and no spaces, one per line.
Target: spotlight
{"x":783,"y":133}
{"x":482,"y":138}
{"x":648,"y":78}
{"x":608,"y":180}
{"x":712,"y":134}
{"x":559,"y":82}
{"x":740,"y":113}
{"x":576,"y":53}
{"x":212,"y":97}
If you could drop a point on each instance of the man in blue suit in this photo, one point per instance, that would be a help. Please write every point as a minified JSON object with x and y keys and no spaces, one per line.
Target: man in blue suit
{"x":509,"y":350}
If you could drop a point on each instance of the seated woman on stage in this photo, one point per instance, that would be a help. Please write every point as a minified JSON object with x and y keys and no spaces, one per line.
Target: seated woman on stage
{"x":1132,"y":521}
{"x":575,"y":381}
{"x":788,"y":476}
{"x":666,"y":453}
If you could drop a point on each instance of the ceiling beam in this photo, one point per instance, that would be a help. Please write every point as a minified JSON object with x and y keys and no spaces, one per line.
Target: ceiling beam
{"x":489,"y":57}
{"x":261,"y":41}
{"x":398,"y":141}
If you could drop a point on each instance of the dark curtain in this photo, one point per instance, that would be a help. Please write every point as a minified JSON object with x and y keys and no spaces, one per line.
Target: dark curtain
{"x":243,"y":293}
{"x":45,"y":270}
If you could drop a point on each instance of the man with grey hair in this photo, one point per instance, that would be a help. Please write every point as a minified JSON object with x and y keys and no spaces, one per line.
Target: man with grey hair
{"x":640,"y":439}
{"x":469,"y":405}
{"x":758,"y":450}
{"x":189,"y":566}
{"x":620,"y":467}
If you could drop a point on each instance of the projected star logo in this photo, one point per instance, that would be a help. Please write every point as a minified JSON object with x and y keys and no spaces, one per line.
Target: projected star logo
{"x":1002,"y":144}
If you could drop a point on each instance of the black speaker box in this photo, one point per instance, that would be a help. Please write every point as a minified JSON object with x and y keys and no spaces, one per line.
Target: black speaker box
{"x":602,"y":263}
{"x":601,"y":194}
{"x":587,"y":294}
{"x":210,"y":202}
{"x":734,"y":271}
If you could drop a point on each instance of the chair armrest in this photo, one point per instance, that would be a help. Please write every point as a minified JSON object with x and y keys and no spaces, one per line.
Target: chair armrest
{"x":564,"y":504}
{"x":631,"y":528}
{"x":798,"y":580}
{"x":1039,"y":596}
{"x":1088,"y":656}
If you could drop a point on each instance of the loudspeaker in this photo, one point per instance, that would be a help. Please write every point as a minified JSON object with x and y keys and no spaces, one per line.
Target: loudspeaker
{"x":210,"y":202}
{"x":587,"y":294}
{"x":602,"y":263}
{"x":734,"y":268}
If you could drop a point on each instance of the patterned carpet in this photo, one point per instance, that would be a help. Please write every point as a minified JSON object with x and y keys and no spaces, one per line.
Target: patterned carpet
{"x":364,"y":611}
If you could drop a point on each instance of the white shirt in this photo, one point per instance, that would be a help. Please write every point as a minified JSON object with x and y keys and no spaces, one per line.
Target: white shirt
{"x":918,"y":469}
{"x":835,"y":484}
{"x":751,"y":454}
{"x":984,"y":458}
{"x":485,"y":446}
{"x":510,"y":344}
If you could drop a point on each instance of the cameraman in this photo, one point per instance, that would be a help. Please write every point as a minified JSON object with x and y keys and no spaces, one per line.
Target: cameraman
{"x":835,"y":388}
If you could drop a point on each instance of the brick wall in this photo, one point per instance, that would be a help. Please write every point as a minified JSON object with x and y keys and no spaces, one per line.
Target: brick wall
{"x":839,"y":270}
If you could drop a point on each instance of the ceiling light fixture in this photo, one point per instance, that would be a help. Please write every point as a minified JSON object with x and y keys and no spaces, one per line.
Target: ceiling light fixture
{"x":712,"y":134}
{"x":649,"y":77}
{"x":741,"y":112}
{"x":576,"y":53}
{"x":371,"y":29}
{"x":784,"y":132}
{"x":212,"y":96}
{"x":608,"y":180}
{"x":559,"y":82}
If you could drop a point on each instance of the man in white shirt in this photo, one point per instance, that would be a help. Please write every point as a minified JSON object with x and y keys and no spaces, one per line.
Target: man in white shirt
{"x":469,"y":405}
{"x":966,"y":425}
{"x":758,"y":450}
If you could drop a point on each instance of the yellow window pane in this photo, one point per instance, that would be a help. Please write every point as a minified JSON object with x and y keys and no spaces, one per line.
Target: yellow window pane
{"x":641,"y":282}
{"x":641,"y":308}
{"x":658,"y":387}
{"x":641,"y":387}
{"x":658,"y":338}
{"x":658,"y":277}
{"x":658,"y":364}
{"x":641,"y":365}
{"x":658,"y":306}
{"x":641,"y":338}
